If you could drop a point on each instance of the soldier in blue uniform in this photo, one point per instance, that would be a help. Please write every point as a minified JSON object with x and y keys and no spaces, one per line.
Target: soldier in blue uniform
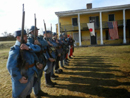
{"x":21,"y":85}
{"x":54,"y":54}
{"x":59,"y":52}
{"x":50,"y":60}
{"x":42,"y":43}
{"x":63,"y":53}
{"x":66,"y":48}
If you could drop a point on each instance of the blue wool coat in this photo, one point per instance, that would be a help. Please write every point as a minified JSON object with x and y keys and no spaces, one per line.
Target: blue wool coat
{"x":42,"y":41}
{"x":14,"y":71}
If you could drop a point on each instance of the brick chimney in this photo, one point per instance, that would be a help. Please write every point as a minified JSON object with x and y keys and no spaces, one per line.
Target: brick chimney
{"x":89,"y":5}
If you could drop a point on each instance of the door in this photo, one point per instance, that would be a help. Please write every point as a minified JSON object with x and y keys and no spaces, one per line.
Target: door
{"x":107,"y":35}
{"x":94,"y":39}
{"x":128,"y":25}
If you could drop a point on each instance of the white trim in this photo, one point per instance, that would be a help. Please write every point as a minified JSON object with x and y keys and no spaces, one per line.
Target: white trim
{"x":58,"y":26}
{"x":101,"y":34}
{"x":79,"y":30}
{"x":124,"y":27}
{"x":89,"y":11}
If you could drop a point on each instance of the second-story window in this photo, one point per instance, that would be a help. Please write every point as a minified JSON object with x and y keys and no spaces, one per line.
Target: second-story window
{"x":74,"y":22}
{"x":111,"y":17}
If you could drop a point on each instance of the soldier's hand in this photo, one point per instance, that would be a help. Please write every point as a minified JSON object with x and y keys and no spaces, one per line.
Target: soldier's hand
{"x":39,"y":66}
{"x":59,"y":54}
{"x":57,"y":41}
{"x":24,"y":47}
{"x":23,"y":80}
{"x":36,"y":42}
{"x":49,"y":43}
{"x":51,"y":60}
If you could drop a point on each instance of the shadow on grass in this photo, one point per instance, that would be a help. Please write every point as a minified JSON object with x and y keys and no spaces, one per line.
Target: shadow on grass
{"x":126,"y":52}
{"x":97,"y":90}
{"x":92,"y":76}
{"x":65,"y":96}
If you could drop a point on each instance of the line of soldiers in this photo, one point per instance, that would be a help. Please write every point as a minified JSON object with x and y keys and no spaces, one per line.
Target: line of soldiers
{"x":39,"y":54}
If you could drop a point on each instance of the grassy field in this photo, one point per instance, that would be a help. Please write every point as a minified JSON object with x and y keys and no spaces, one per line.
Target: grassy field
{"x":6,"y":44}
{"x":94,"y":72}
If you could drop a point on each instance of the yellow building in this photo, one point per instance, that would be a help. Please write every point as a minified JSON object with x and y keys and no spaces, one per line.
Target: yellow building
{"x":74,"y":22}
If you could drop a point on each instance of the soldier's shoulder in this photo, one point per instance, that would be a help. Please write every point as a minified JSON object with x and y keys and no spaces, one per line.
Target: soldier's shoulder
{"x":39,"y":38}
{"x":13,"y":48}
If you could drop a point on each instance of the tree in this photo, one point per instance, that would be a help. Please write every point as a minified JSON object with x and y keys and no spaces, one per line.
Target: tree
{"x":6,"y":34}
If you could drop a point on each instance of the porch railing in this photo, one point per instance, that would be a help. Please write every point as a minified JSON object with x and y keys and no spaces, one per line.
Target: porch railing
{"x":84,"y":27}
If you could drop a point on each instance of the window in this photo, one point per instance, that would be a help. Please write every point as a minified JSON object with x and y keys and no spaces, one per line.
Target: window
{"x":111,"y":17}
{"x":74,"y":22}
{"x":94,"y":20}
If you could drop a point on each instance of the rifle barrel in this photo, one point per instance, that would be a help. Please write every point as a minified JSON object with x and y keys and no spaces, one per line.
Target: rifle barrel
{"x":22,"y":31}
{"x":35,"y":26}
{"x":45,"y":27}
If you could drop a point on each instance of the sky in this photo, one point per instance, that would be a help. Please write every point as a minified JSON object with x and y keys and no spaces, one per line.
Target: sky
{"x":11,"y":12}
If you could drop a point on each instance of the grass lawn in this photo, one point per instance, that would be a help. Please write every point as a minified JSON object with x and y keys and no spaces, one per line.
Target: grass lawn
{"x":6,"y":44}
{"x":94,"y":72}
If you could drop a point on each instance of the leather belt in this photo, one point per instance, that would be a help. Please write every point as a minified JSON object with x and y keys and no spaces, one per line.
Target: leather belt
{"x":29,"y":66}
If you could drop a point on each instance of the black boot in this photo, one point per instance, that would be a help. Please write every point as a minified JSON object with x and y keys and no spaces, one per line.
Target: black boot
{"x":38,"y":96}
{"x":57,"y":71}
{"x":53,"y":83}
{"x":70,"y":57}
{"x":41,"y":93}
{"x":28,"y":96}
{"x":47,"y":78}
{"x":66,"y":60}
{"x":54,"y":76}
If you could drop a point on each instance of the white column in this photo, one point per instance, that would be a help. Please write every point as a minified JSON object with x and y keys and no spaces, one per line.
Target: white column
{"x":79,"y":30}
{"x":101,"y":34}
{"x":124,"y":27}
{"x":58,"y":26}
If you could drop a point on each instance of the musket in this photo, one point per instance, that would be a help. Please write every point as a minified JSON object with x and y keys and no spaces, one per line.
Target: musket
{"x":22,"y":31}
{"x":48,"y":48}
{"x":52,"y":48}
{"x":35,"y":27}
{"x":23,"y":64}
{"x":51,"y":31}
{"x":45,"y":29}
